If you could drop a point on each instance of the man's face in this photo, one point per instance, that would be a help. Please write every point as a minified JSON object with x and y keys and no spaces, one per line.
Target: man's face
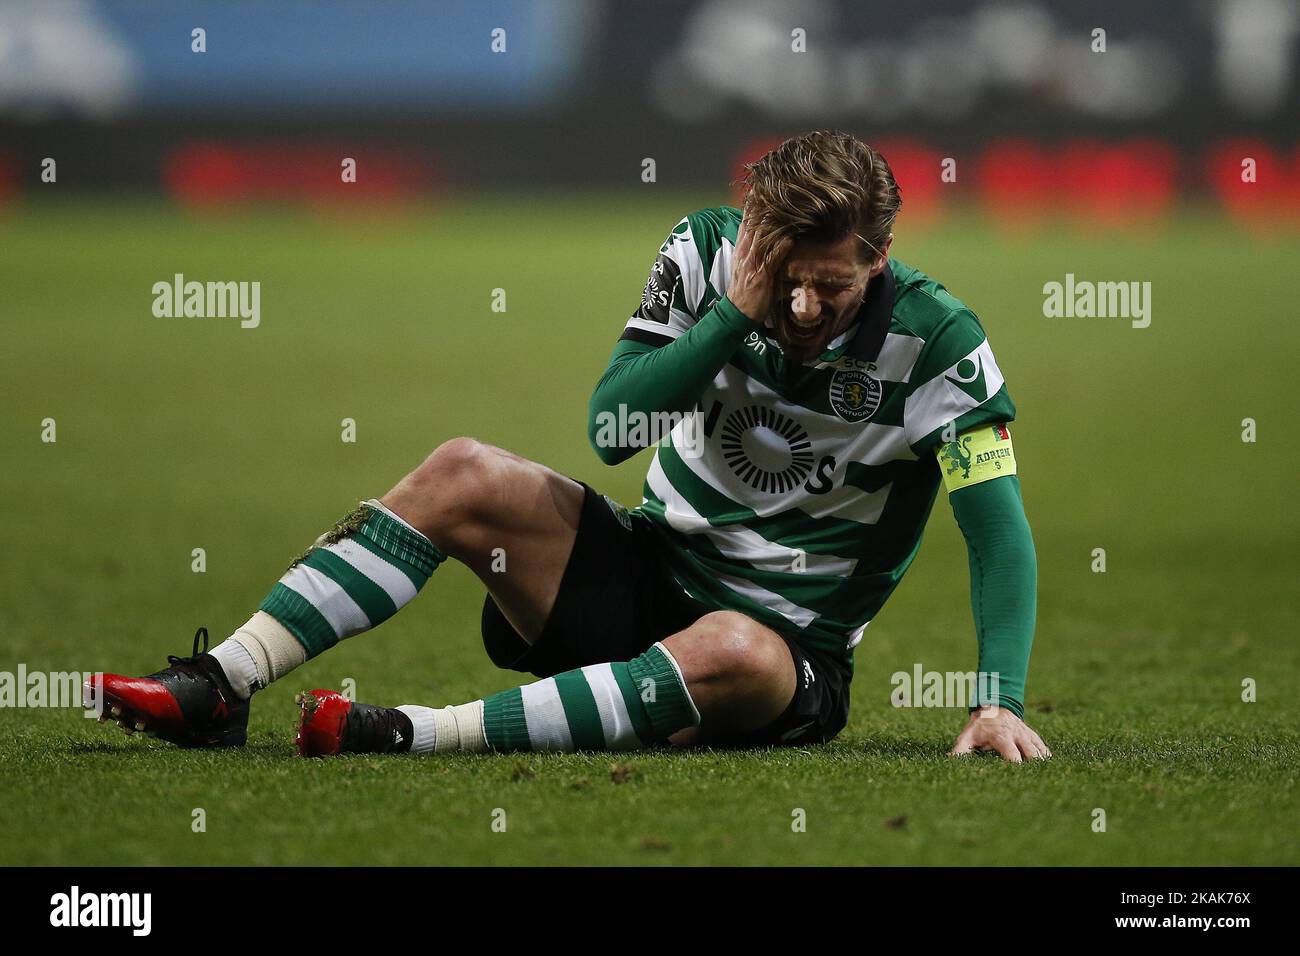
{"x":817,"y":293}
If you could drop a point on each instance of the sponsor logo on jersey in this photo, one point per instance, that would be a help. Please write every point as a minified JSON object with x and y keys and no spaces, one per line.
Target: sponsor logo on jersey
{"x":854,"y":394}
{"x":657,"y":299}
{"x":968,"y":375}
{"x":765,"y":449}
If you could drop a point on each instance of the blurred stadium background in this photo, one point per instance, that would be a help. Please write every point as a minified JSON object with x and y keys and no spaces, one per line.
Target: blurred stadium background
{"x":524,"y":170}
{"x":1041,"y":124}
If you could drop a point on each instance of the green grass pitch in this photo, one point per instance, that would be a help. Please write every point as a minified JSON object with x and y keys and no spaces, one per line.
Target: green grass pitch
{"x":175,"y":434}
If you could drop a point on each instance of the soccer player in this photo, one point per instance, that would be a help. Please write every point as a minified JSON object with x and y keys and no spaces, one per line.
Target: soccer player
{"x":817,"y":393}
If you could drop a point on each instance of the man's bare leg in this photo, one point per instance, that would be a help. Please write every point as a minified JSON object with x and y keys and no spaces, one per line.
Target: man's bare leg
{"x":466,"y":500}
{"x":739,"y":674}
{"x":470,"y":499}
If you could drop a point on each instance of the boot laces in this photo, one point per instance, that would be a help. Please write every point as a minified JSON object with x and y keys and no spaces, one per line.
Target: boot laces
{"x":201,"y":633}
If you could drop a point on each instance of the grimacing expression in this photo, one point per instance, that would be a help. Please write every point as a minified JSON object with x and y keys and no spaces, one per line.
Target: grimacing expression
{"x":817,"y":292}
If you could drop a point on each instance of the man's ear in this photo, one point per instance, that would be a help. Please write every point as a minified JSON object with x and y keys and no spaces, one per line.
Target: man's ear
{"x":880,"y":264}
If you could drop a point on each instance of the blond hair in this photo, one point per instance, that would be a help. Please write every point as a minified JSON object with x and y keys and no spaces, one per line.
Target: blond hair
{"x":822,"y":186}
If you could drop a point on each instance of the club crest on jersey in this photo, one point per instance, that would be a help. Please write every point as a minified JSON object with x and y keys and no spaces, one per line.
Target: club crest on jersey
{"x":854,"y":394}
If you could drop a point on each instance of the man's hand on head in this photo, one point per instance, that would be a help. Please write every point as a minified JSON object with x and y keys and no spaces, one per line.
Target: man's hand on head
{"x":998,"y":730}
{"x":753,"y":272}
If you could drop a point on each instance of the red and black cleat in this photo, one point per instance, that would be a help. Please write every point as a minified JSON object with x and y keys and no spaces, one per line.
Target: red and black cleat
{"x":190,"y":704}
{"x":329,"y":723}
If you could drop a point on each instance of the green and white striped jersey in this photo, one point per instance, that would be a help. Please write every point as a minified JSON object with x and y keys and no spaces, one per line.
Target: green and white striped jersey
{"x":804,"y":502}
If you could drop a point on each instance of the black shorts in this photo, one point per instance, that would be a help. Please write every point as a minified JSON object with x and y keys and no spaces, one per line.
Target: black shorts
{"x":617,"y":598}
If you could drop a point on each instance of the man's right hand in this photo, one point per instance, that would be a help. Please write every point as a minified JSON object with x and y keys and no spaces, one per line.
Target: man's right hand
{"x":753,"y":272}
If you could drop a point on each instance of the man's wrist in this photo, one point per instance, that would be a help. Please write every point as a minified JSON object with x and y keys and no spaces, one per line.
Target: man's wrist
{"x":731,"y":316}
{"x":1009,"y":703}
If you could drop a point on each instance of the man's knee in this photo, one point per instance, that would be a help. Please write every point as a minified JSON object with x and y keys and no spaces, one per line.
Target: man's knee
{"x":730,"y":647}
{"x":740,"y":674}
{"x":455,"y":487}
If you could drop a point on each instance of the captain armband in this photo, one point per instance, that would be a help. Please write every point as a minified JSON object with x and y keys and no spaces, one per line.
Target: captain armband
{"x":975,"y":456}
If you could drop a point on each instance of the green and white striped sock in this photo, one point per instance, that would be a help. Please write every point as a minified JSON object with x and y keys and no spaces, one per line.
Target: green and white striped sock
{"x":617,"y":706}
{"x":353,"y":578}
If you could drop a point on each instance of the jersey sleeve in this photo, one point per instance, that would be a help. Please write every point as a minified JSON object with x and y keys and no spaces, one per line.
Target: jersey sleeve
{"x":678,"y":290}
{"x":682,"y":335}
{"x":1003,"y":583}
{"x":957,"y":383}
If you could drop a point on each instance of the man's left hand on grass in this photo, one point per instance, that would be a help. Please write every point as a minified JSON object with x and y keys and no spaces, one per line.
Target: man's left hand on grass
{"x":998,"y":730}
